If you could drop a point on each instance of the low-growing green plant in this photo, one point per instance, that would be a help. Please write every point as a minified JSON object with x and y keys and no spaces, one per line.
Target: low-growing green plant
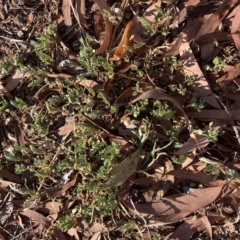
{"x":3,"y":105}
{"x":93,"y":63}
{"x":197,"y":104}
{"x":18,"y":103}
{"x":65,"y":222}
{"x":162,"y":110}
{"x":219,"y":63}
{"x":127,"y":226}
{"x":211,"y":134}
{"x":44,"y":47}
{"x":40,"y":123}
{"x":179,"y":159}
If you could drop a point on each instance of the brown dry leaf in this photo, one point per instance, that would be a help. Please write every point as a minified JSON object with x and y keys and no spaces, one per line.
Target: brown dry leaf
{"x":6,"y":208}
{"x":213,"y":37}
{"x":96,"y":236}
{"x":127,"y":39}
{"x":207,"y":51}
{"x":202,"y":141}
{"x":125,"y":146}
{"x":67,"y":52}
{"x":66,"y":9}
{"x":44,"y":222}
{"x":103,"y":6}
{"x":201,"y":177}
{"x":158,"y":94}
{"x":73,"y":233}
{"x":61,"y":190}
{"x":18,"y":132}
{"x":97,"y":17}
{"x":81,"y":10}
{"x":174,"y":51}
{"x":13,"y":81}
{"x":188,"y":228}
{"x":133,"y":31}
{"x":10,"y":176}
{"x":215,"y":115}
{"x":91,"y":84}
{"x":177,"y":207}
{"x":66,"y":129}
{"x":151,"y":180}
{"x":123,"y":171}
{"x":156,"y":192}
{"x":47,"y":93}
{"x":233,"y":96}
{"x":4,"y":92}
{"x":216,"y":18}
{"x":50,"y":207}
{"x":192,"y":69}
{"x":231,"y":75}
{"x":96,"y":227}
{"x":128,"y":93}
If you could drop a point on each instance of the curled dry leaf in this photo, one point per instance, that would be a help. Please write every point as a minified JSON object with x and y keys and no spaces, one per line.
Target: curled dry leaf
{"x":188,"y":228}
{"x":108,"y":30}
{"x":133,"y":31}
{"x":128,"y":93}
{"x":44,"y":222}
{"x":177,"y":207}
{"x":47,"y":93}
{"x":123,"y":171}
{"x":192,"y":69}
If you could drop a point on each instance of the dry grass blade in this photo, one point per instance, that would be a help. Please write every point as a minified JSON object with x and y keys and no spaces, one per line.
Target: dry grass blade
{"x":192,"y":69}
{"x":108,"y":30}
